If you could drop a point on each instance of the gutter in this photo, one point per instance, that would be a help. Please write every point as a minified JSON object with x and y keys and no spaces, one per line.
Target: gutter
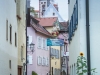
{"x":88,"y":38}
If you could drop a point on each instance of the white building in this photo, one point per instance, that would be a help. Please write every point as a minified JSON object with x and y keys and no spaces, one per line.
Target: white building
{"x":8,"y":38}
{"x":51,"y":11}
{"x":78,"y":19}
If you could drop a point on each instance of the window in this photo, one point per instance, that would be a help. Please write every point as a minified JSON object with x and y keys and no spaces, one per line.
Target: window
{"x":44,"y":2}
{"x":43,"y":43}
{"x":70,"y":71}
{"x":68,"y":1}
{"x":15,"y":39}
{"x":41,"y":2}
{"x":6,"y":29}
{"x":15,"y":0}
{"x":27,"y":40}
{"x":39,"y":42}
{"x":53,"y":14}
{"x":42,"y":13}
{"x":30,"y":59}
{"x":74,"y":21}
{"x":74,"y":69}
{"x":10,"y":64}
{"x":57,"y":54}
{"x":21,"y":53}
{"x":47,"y":61}
{"x":43,"y":60}
{"x":10,"y":34}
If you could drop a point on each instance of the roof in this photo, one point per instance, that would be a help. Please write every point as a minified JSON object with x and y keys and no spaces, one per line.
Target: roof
{"x":39,"y":28}
{"x":63,"y":26}
{"x":48,"y":21}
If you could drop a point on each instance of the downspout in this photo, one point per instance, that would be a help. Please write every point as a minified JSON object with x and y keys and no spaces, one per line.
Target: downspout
{"x":27,"y":24}
{"x":26,"y":37}
{"x":88,"y":37}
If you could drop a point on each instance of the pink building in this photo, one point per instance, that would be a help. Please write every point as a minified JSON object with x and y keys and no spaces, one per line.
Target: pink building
{"x":38,"y":61}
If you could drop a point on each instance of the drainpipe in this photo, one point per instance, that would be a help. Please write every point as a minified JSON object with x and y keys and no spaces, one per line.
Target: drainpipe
{"x":88,"y":37}
{"x":27,"y":24}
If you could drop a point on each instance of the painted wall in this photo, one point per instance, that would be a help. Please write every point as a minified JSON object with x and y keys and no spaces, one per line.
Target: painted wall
{"x":8,"y":51}
{"x":50,"y":29}
{"x":56,"y":63}
{"x":78,"y":43}
{"x":35,"y":66}
{"x":21,"y":32}
{"x":94,"y":37}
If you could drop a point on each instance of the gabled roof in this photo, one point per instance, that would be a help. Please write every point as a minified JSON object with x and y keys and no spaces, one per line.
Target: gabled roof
{"x":55,"y":10}
{"x":38,"y":27}
{"x":48,"y":21}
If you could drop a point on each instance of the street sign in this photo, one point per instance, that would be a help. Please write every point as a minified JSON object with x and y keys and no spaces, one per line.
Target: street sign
{"x":55,"y":42}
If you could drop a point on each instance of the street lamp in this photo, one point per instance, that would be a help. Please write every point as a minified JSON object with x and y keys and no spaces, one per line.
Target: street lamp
{"x":32,"y":47}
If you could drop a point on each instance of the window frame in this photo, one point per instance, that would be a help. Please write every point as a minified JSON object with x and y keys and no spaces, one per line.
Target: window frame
{"x":10,"y":64}
{"x":15,"y":39}
{"x":10,"y":34}
{"x":7,"y":30}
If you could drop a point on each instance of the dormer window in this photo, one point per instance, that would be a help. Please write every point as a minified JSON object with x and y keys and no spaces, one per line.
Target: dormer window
{"x":43,"y":7}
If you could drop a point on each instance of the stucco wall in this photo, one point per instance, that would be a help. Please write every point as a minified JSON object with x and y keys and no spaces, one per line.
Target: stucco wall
{"x":8,"y":51}
{"x":21,"y":32}
{"x":78,"y":42}
{"x":94,"y":34}
{"x":39,"y":69}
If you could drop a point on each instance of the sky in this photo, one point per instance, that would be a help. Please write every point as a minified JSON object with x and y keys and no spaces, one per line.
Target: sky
{"x":62,"y":4}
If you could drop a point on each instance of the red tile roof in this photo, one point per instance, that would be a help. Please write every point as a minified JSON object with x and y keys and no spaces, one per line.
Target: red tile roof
{"x":48,"y":21}
{"x":39,"y":28}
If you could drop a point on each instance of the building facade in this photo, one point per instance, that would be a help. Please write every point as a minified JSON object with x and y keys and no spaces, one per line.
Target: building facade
{"x":63,"y":34}
{"x":83,"y":20}
{"x":21,"y":23}
{"x":51,"y":24}
{"x":38,"y":60}
{"x":8,"y":38}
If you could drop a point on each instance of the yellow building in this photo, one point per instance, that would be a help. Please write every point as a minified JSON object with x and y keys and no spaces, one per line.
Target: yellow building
{"x":51,"y":24}
{"x":55,"y":60}
{"x":21,"y":17}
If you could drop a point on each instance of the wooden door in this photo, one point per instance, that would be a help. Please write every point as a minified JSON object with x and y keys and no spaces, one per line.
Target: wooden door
{"x":19,"y":71}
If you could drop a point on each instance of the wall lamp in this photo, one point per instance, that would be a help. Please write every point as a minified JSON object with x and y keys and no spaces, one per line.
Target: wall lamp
{"x":32,"y":47}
